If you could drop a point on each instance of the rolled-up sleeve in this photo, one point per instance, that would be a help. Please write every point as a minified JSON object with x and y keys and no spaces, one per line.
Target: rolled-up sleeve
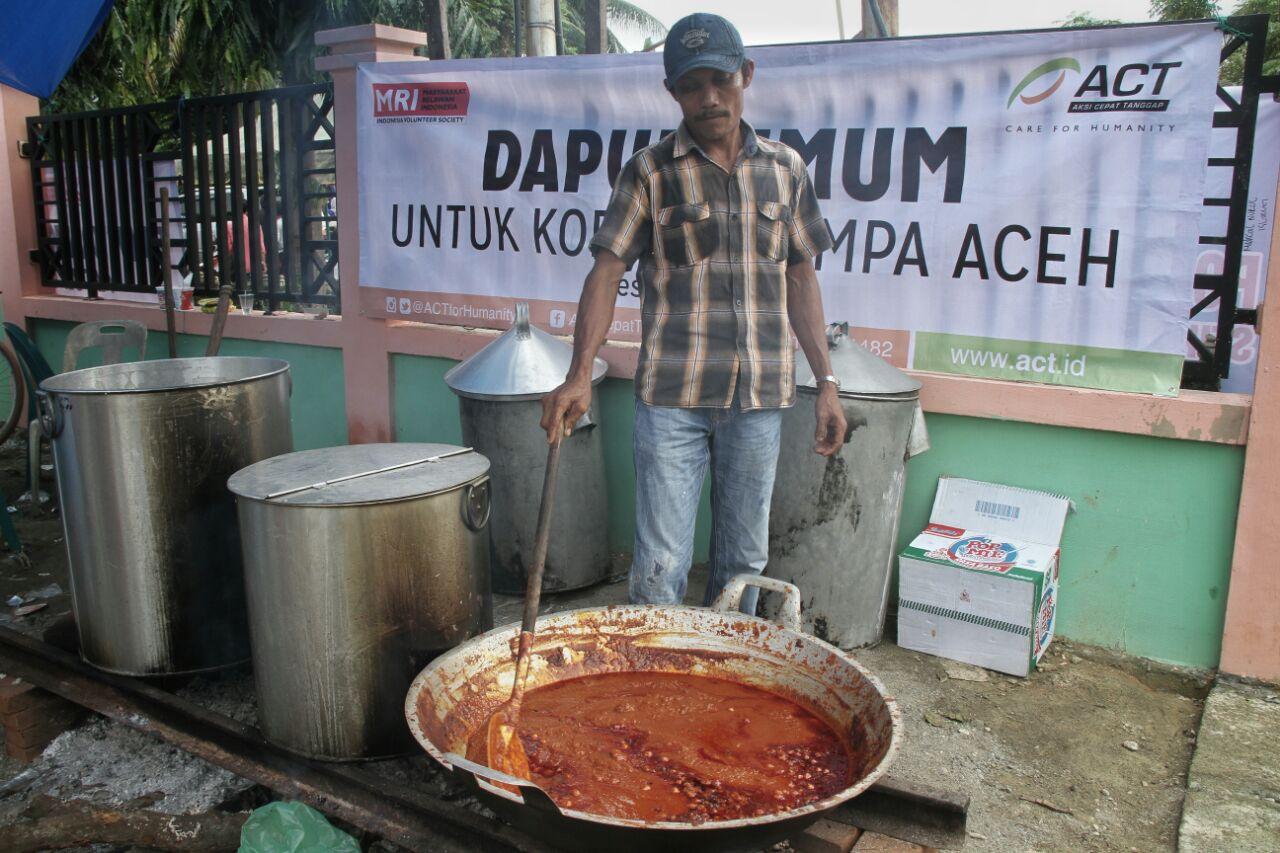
{"x":808,"y":231}
{"x":627,"y":229}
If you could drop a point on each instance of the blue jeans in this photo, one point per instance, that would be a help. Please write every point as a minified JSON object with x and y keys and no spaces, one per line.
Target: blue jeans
{"x":673,"y":448}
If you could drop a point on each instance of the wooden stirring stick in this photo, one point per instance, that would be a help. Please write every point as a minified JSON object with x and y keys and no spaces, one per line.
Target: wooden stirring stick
{"x":506,"y":753}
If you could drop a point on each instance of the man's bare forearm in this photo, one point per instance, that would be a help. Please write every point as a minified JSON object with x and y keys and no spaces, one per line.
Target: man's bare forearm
{"x":595,"y":313}
{"x":804,"y":308}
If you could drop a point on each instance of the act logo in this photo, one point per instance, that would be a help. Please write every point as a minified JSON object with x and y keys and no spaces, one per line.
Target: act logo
{"x":1133,"y":87}
{"x":1059,"y":66}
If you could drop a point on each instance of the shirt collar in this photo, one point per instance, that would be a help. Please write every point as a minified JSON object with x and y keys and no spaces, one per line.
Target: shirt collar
{"x":685,"y":142}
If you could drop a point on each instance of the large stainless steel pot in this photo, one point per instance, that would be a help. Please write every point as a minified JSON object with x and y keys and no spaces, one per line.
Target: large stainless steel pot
{"x":354,"y":582}
{"x":499,"y":393}
{"x":142,"y":452}
{"x":833,"y":522}
{"x":458,"y":692}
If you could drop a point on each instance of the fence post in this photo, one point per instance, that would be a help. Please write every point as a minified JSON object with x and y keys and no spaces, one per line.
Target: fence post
{"x":365,"y":358}
{"x":18,"y":275}
{"x":1251,"y":635}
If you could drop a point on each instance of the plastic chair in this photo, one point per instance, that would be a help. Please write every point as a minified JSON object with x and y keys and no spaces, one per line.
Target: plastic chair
{"x":111,"y":335}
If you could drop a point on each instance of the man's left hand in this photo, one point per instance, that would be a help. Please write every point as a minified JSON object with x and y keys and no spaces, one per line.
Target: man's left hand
{"x":829,"y":437}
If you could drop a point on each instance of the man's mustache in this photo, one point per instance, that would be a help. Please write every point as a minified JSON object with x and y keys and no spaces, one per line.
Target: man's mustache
{"x":709,"y":116}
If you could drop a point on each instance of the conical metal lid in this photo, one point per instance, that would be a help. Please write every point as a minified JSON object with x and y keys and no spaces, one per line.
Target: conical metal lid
{"x":523,"y":363}
{"x":861,"y":373}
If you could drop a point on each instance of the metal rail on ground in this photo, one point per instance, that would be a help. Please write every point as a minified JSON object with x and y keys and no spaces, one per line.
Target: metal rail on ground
{"x":388,"y":808}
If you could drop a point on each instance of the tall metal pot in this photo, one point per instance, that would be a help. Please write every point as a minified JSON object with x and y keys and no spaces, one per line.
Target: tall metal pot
{"x":361,"y":563}
{"x":833,"y":522}
{"x":499,"y":392}
{"x":142,"y":453}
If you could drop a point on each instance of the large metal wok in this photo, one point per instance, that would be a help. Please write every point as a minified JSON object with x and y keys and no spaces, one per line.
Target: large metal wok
{"x":458,"y":691}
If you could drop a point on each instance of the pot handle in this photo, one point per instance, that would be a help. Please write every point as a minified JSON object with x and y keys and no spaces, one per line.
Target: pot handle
{"x":488,"y":779}
{"x":476,"y":506}
{"x":730,"y":598}
{"x":50,"y":415}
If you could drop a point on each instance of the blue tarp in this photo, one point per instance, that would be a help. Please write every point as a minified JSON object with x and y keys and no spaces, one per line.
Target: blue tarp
{"x":40,"y":40}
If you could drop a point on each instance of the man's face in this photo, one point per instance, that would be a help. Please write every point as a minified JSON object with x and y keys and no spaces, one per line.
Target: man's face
{"x":711,"y":100}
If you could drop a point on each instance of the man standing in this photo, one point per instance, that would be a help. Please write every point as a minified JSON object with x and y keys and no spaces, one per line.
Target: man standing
{"x":725,"y":226}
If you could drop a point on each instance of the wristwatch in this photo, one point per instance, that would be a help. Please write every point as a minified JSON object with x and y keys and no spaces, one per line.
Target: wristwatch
{"x":829,"y":378}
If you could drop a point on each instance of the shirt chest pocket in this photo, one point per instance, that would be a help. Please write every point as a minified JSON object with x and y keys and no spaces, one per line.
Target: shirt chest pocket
{"x":688,"y":232}
{"x":771,"y":230}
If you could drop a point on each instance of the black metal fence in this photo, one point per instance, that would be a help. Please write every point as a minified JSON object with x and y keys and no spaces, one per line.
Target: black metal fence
{"x":1211,"y":362}
{"x":252,"y":196}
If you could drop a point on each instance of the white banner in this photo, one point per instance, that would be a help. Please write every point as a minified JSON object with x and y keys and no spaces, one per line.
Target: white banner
{"x":1021,"y":206}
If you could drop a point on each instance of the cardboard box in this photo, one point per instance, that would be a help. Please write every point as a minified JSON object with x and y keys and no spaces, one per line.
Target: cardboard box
{"x":980,"y":583}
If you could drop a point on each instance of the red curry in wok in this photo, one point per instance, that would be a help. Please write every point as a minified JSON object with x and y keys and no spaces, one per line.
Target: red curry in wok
{"x":659,"y":746}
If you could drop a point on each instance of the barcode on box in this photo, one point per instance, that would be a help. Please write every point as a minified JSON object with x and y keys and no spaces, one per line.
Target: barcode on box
{"x":995,"y":510}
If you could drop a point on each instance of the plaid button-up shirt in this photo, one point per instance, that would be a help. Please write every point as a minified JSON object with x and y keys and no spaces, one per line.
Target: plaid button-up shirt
{"x":713,"y":248}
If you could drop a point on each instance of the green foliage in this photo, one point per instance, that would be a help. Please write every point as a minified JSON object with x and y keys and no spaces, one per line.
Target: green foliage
{"x":1084,"y":19}
{"x":1233,"y":69}
{"x":155,"y":50}
{"x":1188,"y":10}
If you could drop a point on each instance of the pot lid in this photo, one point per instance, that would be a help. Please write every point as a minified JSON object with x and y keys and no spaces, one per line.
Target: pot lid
{"x":861,"y":373}
{"x":359,"y":474}
{"x":523,"y":363}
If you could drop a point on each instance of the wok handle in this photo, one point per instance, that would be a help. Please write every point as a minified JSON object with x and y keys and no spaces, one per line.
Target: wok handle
{"x":488,"y":778}
{"x":730,"y":598}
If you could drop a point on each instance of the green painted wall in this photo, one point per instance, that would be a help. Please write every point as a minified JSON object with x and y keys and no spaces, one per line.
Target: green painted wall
{"x":318,"y":407}
{"x":1146,"y":554}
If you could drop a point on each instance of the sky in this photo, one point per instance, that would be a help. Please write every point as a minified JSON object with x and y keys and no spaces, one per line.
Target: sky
{"x":766,"y":22}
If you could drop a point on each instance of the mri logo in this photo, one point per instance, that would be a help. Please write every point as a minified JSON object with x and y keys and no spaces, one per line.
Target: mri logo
{"x":1036,"y":76}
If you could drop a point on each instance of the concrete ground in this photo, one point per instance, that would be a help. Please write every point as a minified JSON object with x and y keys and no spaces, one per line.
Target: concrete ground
{"x":1233,"y":793}
{"x":1049,"y":761}
{"x":1044,"y":759}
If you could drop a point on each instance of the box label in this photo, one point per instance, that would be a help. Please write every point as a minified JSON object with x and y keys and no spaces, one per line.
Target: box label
{"x":980,"y":552}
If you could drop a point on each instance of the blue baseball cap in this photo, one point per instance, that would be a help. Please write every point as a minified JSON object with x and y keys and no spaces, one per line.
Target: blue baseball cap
{"x":701,"y":40}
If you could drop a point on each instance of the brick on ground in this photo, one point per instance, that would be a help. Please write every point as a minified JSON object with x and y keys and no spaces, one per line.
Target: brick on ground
{"x":32,"y":717}
{"x":826,"y":836}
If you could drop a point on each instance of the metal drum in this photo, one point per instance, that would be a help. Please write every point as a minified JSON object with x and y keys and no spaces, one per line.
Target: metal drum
{"x":499,"y":393}
{"x":143,"y":451}
{"x":361,"y":564}
{"x":833,"y":523}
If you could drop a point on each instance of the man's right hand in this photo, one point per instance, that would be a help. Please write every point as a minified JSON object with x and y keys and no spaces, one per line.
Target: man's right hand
{"x":563,"y":407}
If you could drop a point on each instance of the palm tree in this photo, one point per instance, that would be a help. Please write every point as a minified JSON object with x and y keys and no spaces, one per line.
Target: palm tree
{"x":479,"y":28}
{"x":154,"y":50}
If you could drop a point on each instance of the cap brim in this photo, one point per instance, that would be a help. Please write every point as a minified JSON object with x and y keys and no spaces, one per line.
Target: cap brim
{"x":718,"y":61}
